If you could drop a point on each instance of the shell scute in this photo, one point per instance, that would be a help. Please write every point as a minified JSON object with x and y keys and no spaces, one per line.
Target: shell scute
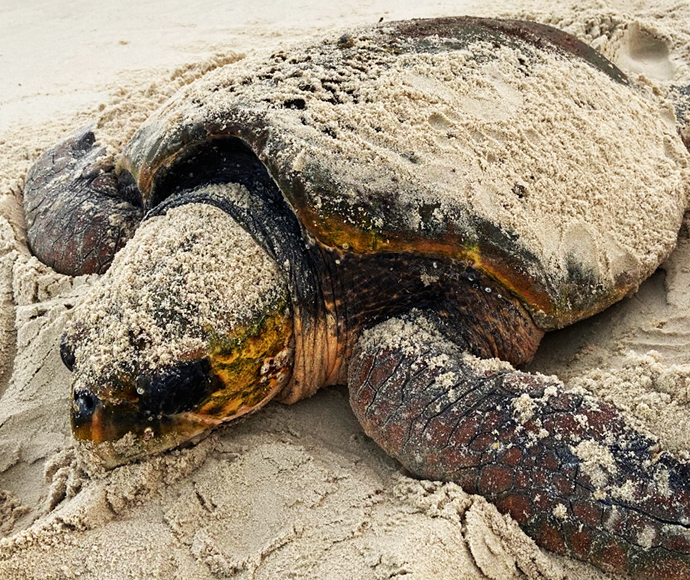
{"x":494,"y":143}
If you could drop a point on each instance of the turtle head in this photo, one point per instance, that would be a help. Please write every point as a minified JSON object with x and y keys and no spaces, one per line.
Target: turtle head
{"x":191,"y":327}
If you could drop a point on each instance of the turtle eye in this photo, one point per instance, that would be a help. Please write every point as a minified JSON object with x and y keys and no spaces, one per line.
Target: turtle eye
{"x":176,"y":389}
{"x":67,"y":353}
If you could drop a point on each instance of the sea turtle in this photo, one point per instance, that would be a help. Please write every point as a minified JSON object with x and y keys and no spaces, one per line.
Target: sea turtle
{"x":406,"y":208}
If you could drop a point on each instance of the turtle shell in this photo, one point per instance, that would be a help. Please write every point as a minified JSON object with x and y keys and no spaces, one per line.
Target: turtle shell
{"x":507,"y":145}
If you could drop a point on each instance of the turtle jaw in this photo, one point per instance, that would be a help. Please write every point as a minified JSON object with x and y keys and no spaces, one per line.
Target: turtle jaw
{"x":122,"y":432}
{"x":116,"y":443}
{"x":119,"y":436}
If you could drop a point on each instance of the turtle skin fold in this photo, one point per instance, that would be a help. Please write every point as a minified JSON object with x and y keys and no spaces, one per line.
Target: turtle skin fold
{"x":564,"y":464}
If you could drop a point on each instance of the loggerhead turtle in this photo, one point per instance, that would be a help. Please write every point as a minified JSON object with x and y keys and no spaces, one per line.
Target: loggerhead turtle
{"x":407,"y":209}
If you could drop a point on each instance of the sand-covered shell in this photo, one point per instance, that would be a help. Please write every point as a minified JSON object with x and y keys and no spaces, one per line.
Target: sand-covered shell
{"x":508,"y":145}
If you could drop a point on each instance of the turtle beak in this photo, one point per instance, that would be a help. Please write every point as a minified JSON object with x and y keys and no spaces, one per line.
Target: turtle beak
{"x":149,"y":407}
{"x":118,"y":435}
{"x":123,"y":432}
{"x":95,"y":420}
{"x":150,"y":414}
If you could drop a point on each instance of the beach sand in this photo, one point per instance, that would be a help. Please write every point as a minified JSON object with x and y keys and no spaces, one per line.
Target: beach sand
{"x":294,"y":491}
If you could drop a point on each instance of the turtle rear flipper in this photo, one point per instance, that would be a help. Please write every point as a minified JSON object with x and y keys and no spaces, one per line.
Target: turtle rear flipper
{"x":79,"y":213}
{"x":565,"y":465}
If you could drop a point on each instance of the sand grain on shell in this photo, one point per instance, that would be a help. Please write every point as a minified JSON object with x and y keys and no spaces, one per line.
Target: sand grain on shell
{"x":580,"y":171}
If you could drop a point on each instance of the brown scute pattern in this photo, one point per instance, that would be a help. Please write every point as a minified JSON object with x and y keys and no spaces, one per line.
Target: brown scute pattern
{"x":77,"y":213}
{"x":565,"y":465}
{"x":364,"y":289}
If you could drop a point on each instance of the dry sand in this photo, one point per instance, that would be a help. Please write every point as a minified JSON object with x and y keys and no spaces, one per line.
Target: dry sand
{"x":293,"y":492}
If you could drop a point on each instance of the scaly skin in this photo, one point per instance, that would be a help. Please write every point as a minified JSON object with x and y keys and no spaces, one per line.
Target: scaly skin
{"x":78,"y":215}
{"x":565,"y":465}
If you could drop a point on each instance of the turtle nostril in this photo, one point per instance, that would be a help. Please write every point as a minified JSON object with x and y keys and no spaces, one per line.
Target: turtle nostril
{"x":86,"y":404}
{"x":66,"y":353}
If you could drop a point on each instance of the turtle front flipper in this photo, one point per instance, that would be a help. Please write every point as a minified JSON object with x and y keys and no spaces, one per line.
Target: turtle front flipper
{"x":79,"y":213}
{"x":564,"y":464}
